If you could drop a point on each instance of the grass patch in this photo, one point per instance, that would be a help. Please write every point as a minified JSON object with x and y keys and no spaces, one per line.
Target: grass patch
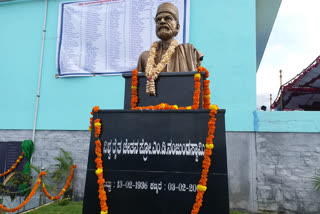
{"x":71,"y":208}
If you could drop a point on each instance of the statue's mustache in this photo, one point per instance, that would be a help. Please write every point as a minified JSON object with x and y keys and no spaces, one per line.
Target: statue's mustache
{"x":164,"y":26}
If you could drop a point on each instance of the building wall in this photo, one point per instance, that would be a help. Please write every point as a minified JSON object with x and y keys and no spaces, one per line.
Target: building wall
{"x":272,"y":171}
{"x":47,"y":147}
{"x":242,"y":164}
{"x":223,"y":30}
{"x":267,"y":171}
{"x":286,"y":163}
{"x":287,"y":121}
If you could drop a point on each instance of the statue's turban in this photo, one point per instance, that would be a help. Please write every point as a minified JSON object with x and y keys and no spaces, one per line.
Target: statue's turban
{"x":168,"y":8}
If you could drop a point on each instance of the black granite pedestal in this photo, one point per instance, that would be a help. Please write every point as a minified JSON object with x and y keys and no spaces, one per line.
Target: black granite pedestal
{"x":152,"y":162}
{"x":174,"y":88}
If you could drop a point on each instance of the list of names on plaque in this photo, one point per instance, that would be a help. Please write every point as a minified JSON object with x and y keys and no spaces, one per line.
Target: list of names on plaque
{"x":106,"y":37}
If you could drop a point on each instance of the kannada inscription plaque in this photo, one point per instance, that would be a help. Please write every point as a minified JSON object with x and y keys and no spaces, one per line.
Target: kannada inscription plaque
{"x":152,"y":162}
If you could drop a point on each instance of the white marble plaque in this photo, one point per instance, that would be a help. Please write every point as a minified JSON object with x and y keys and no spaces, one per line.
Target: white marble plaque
{"x":107,"y":37}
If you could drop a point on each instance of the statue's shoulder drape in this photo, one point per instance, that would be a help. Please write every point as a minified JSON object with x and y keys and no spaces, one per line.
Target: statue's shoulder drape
{"x":185,"y":58}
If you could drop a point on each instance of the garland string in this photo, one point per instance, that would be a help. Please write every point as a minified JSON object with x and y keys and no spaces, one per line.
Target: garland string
{"x":153,"y":70}
{"x":32,"y":193}
{"x":202,"y":186}
{"x":34,"y":189}
{"x":134,"y":96}
{"x":98,"y":161}
{"x":66,"y":186}
{"x":14,"y":166}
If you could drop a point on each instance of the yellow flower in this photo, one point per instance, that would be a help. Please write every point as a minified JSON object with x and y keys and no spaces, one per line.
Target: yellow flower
{"x":201,"y":188}
{"x":99,"y":170}
{"x":63,"y":190}
{"x":175,"y":106}
{"x":214,"y":107}
{"x":207,"y":96}
{"x":133,"y":87}
{"x":18,"y":161}
{"x":90,"y":129}
{"x":97,"y":124}
{"x":209,"y":146}
{"x":197,"y":76}
{"x":104,"y":212}
{"x":39,"y":180}
{"x":188,"y":107}
{"x":20,"y":156}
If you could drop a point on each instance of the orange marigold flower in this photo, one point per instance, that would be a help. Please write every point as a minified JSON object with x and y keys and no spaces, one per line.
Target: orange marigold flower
{"x":95,"y":109}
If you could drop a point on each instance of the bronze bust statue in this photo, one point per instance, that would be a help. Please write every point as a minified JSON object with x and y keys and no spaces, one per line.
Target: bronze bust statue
{"x":166,"y":55}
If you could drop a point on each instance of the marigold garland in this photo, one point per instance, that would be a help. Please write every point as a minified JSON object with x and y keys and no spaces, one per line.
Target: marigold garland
{"x":14,"y":166}
{"x":134,"y":89}
{"x":34,"y":189}
{"x":134,"y":95}
{"x":206,"y":89}
{"x":209,"y":140}
{"x":66,"y":186}
{"x":99,"y":171}
{"x":32,"y":193}
{"x":197,"y":91}
{"x":101,"y":180}
{"x":97,"y":128}
{"x":153,"y":70}
{"x":202,"y":186}
{"x":94,"y":109}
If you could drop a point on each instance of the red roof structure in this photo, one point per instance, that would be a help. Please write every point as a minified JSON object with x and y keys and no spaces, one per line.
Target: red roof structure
{"x":302,"y":92}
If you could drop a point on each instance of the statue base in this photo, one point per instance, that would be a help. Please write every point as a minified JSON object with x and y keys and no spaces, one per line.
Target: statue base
{"x":153,"y":160}
{"x":174,"y":88}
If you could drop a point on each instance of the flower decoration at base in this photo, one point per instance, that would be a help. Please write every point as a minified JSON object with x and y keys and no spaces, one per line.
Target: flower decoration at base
{"x":99,"y":171}
{"x":97,"y":128}
{"x":202,"y":187}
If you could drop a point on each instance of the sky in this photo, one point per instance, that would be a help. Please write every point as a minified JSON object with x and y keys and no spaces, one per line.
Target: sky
{"x":293,"y":45}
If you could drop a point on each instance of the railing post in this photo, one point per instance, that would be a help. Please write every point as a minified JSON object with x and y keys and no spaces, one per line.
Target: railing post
{"x":281,"y":89}
{"x":270,"y":101}
{"x":41,"y":188}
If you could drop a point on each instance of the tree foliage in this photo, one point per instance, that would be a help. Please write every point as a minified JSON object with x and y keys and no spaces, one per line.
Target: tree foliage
{"x":316,"y":182}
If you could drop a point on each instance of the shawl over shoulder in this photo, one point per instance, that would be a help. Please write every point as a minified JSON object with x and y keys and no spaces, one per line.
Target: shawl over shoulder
{"x":185,"y":58}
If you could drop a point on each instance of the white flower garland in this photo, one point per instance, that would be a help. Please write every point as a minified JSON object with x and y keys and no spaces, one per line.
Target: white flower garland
{"x":153,"y":70}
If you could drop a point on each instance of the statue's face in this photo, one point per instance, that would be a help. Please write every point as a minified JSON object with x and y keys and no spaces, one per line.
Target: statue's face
{"x":167,"y":26}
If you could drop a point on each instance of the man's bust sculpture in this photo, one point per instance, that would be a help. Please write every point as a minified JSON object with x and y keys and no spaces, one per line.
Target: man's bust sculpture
{"x":166,"y":55}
